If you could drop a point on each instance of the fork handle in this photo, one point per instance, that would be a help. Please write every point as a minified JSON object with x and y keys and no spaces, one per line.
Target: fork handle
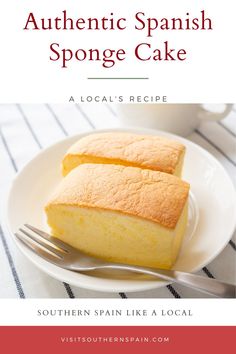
{"x":208,"y":285}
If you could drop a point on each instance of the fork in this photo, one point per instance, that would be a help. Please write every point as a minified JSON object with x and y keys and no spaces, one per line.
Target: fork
{"x":63,"y":255}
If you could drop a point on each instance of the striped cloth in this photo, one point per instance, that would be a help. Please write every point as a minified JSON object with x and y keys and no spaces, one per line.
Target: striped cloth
{"x":26,"y":129}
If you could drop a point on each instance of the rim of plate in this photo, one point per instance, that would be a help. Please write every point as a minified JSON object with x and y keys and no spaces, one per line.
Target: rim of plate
{"x":52,"y":270}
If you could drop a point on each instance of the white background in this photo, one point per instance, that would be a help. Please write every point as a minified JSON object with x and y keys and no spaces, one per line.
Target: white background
{"x":27,"y":74}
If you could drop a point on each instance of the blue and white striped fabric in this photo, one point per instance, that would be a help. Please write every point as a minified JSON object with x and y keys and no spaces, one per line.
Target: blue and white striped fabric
{"x":25,"y":129}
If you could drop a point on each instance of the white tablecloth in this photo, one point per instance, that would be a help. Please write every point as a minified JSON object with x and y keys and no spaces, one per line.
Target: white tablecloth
{"x":25,"y":129}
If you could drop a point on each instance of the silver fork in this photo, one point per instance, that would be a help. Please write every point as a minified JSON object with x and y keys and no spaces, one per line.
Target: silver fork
{"x":63,"y":255}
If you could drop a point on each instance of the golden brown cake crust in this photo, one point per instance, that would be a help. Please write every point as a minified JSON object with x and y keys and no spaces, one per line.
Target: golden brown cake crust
{"x":145,"y":151}
{"x":152,"y":195}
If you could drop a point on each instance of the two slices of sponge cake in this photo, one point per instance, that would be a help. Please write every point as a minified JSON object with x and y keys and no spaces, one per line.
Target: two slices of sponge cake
{"x":116,"y":202}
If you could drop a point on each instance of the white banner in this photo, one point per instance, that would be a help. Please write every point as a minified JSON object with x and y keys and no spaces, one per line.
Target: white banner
{"x":178,"y":51}
{"x":117,"y":312}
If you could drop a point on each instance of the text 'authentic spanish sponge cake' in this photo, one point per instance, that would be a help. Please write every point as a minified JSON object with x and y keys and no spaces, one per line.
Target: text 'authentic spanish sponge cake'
{"x":127,"y":149}
{"x":121,"y":214}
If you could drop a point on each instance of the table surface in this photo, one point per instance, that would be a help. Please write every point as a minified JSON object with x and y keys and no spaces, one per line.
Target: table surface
{"x":26,"y":129}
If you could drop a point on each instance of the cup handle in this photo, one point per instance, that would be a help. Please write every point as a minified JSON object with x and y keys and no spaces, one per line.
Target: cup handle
{"x":214,"y":116}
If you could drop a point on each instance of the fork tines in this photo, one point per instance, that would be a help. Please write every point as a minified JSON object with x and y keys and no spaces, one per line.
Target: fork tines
{"x":41,"y":242}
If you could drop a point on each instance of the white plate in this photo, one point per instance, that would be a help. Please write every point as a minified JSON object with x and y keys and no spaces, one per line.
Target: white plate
{"x":212,"y":199}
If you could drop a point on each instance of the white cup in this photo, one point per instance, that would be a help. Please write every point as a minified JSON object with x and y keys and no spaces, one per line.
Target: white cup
{"x":181,"y":119}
